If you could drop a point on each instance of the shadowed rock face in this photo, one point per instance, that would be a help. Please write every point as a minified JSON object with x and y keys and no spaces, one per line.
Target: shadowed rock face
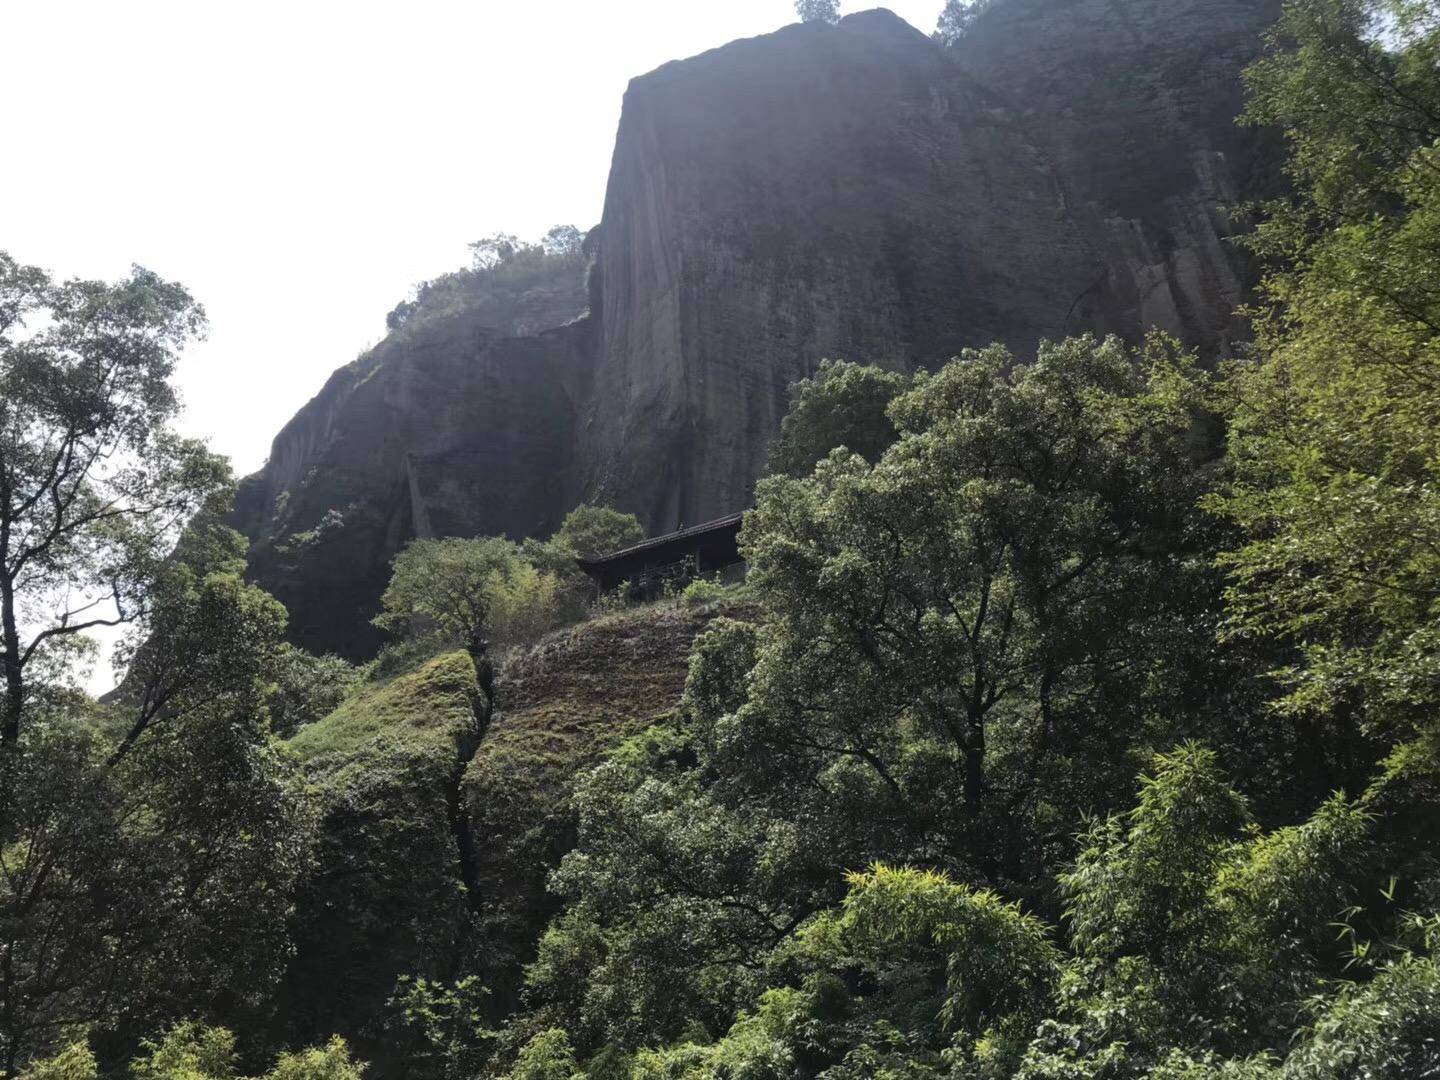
{"x":444,"y":429}
{"x":851,"y":191}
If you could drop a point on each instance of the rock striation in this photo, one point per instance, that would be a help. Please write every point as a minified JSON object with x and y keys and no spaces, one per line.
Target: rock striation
{"x":853,"y":190}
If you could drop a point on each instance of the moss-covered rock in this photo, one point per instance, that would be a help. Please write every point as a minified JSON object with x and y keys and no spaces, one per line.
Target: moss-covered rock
{"x":387,"y":895}
{"x":437,"y":838}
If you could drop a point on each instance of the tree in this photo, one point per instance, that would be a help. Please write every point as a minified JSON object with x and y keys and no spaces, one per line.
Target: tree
{"x":446,"y":1023}
{"x":957,"y":17}
{"x":191,"y":1050}
{"x":471,"y":591}
{"x":666,"y":876}
{"x":1189,"y":934}
{"x":152,"y":844}
{"x":207,"y":638}
{"x":306,"y":688}
{"x":842,"y":404}
{"x":997,"y":992}
{"x":495,"y":250}
{"x":588,"y":531}
{"x":956,"y":650}
{"x":94,"y":484}
{"x":563,"y":240}
{"x":823,"y":11}
{"x":1023,"y":552}
{"x":1333,"y":440}
{"x":508,"y":282}
{"x":547,"y":1056}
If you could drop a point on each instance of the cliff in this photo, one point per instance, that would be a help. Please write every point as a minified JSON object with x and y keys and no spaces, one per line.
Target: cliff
{"x":858,"y":191}
{"x":853,"y":191}
{"x":446,"y":428}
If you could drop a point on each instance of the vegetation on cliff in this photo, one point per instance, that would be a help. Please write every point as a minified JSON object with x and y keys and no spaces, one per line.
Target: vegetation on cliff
{"x":1077,"y":720}
{"x":511,"y":280}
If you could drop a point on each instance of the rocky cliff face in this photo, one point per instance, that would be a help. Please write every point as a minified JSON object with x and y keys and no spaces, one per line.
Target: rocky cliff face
{"x":857,"y":191}
{"x":445,"y":429}
{"x":852,"y":191}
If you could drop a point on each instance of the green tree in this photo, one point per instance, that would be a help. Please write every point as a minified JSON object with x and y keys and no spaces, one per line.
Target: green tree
{"x":506,"y":278}
{"x":547,"y":1056}
{"x":471,"y":591}
{"x":666,"y":876}
{"x":564,"y":240}
{"x":1192,"y":933}
{"x":1001,"y":969}
{"x":1383,"y":1030}
{"x":94,"y":483}
{"x":194,"y":1051}
{"x":75,"y":1062}
{"x":1334,"y":447}
{"x":825,"y":11}
{"x":152,"y":845}
{"x":956,"y":651}
{"x":447,"y":1023}
{"x":842,"y":404}
{"x":588,"y":531}
{"x":207,"y":638}
{"x":306,"y":688}
{"x":496,"y":250}
{"x":1025,"y":553}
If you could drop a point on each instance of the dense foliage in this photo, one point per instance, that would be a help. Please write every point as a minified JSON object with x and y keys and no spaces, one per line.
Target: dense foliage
{"x":194,"y":1051}
{"x":151,"y":845}
{"x":1077,"y":720}
{"x":468,"y":591}
{"x":842,"y":404}
{"x":1034,"y":581}
{"x":473,"y":593}
{"x":823,"y":11}
{"x":94,"y":483}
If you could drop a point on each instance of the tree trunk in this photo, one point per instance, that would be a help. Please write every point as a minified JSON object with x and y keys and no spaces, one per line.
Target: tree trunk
{"x":14,"y":698}
{"x":974,"y":749}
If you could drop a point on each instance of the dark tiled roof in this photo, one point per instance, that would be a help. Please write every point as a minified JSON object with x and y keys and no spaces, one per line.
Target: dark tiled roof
{"x":660,"y":541}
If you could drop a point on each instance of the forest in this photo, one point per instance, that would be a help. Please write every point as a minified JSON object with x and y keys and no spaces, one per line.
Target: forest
{"x":1078,"y":717}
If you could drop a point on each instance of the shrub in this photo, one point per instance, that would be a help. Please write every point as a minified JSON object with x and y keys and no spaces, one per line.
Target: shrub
{"x":700,"y":592}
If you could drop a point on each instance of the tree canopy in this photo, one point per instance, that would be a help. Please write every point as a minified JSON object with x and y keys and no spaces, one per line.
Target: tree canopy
{"x":842,"y":404}
{"x":472,"y":591}
{"x":824,"y":11}
{"x":95,"y":484}
{"x":957,"y":17}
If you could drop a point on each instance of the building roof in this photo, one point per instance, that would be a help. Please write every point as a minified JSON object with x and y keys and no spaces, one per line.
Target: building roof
{"x":718,"y":525}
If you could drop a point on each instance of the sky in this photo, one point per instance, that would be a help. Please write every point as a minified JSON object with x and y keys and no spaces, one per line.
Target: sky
{"x":301,"y":165}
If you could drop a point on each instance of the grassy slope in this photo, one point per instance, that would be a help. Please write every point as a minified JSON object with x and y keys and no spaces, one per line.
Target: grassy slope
{"x":562,"y":705}
{"x":385,"y":897}
{"x":431,"y":706}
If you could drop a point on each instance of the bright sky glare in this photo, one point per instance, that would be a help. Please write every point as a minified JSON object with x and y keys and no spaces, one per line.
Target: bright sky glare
{"x":301,"y":164}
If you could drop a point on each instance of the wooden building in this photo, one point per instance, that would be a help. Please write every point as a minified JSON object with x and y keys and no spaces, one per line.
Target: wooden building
{"x":673,"y":559}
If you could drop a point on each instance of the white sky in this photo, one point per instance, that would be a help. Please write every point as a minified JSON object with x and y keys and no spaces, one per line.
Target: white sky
{"x":300,"y":165}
